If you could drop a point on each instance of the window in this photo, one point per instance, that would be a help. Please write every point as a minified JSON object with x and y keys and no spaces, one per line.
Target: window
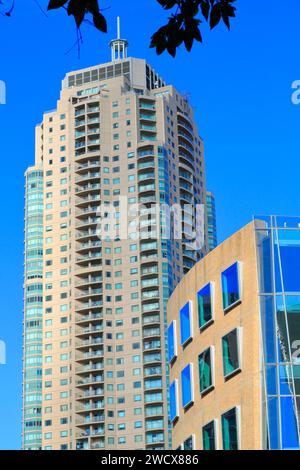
{"x":205,"y":360}
{"x":205,"y":305}
{"x":174,"y":401}
{"x":231,"y":286}
{"x":209,"y":436}
{"x":231,"y":353}
{"x":186,"y":323}
{"x":189,"y":443}
{"x":187,"y":386}
{"x":230,"y":430}
{"x":172,"y":343}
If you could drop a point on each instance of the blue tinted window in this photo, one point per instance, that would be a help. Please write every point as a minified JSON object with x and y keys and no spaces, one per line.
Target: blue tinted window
{"x":172,"y":350}
{"x":230,"y":286}
{"x":205,"y":309}
{"x":173,"y":401}
{"x":187,"y":385}
{"x":289,"y":241}
{"x":186,"y":322}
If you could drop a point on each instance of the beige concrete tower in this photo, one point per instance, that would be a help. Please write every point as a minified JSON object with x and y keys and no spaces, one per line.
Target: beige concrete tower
{"x":97,"y":378}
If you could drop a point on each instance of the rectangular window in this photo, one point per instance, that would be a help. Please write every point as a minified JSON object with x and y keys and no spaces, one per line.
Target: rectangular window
{"x":231,"y":286}
{"x":205,"y":305}
{"x":205,"y":361}
{"x":230,"y":430}
{"x":172,"y":343}
{"x":187,"y":385}
{"x":189,"y":443}
{"x":186,"y":323}
{"x":209,"y":436}
{"x":174,"y":401}
{"x":231,"y":353}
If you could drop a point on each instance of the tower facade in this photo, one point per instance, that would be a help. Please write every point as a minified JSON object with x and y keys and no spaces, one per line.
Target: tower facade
{"x":95,"y":292}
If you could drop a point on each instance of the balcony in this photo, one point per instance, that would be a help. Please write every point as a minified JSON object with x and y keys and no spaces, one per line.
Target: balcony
{"x":151,"y":294}
{"x":147,"y":105}
{"x":86,"y":246}
{"x":83,"y":306}
{"x":92,"y":317}
{"x":89,"y":293}
{"x":88,"y":188}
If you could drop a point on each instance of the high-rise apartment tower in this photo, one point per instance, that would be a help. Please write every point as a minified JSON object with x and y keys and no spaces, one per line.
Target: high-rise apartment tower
{"x":95,"y":303}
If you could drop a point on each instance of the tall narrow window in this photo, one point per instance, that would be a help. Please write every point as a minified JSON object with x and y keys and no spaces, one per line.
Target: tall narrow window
{"x":173,"y":401}
{"x":206,"y":370}
{"x":230,"y":430}
{"x":187,"y":385}
{"x":205,"y":306}
{"x":231,"y":355}
{"x":231,"y":286}
{"x":172,"y":341}
{"x":186,"y":323}
{"x":209,"y":436}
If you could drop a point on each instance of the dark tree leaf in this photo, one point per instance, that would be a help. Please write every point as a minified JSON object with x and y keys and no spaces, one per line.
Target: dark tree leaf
{"x":215,"y":16}
{"x":205,"y":7}
{"x":167,"y":4}
{"x":53,"y":4}
{"x":100,"y":22}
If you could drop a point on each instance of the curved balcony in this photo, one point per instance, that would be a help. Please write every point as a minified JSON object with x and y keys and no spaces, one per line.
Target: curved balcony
{"x":88,"y":222}
{"x":88,"y":189}
{"x":87,"y":200}
{"x":151,"y":333}
{"x":87,"y":331}
{"x":185,"y":125}
{"x":186,"y":196}
{"x":90,"y":259}
{"x":150,"y":319}
{"x":90,"y":318}
{"x":91,"y":293}
{"x":86,"y":344}
{"x":87,"y":235}
{"x":148,"y":164}
{"x":89,"y":356}
{"x":88,"y":381}
{"x":151,"y":371}
{"x":88,"y":281}
{"x":186,"y":136}
{"x":148,"y":271}
{"x":89,"y":306}
{"x":88,"y":177}
{"x":84,"y":212}
{"x":89,"y":165}
{"x":89,"y":246}
{"x":84,"y":156}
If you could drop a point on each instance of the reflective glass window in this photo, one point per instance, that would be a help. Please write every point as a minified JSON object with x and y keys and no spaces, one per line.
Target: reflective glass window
{"x":230,"y":430}
{"x":205,"y":306}
{"x":230,"y":286}
{"x":230,"y":349}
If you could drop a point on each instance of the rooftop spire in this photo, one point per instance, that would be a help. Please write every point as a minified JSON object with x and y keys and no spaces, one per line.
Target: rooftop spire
{"x":118,"y":46}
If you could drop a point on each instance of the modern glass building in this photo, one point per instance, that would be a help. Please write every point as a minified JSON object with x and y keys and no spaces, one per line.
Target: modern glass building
{"x":95,"y":300}
{"x":278,"y":246}
{"x":233,"y":336}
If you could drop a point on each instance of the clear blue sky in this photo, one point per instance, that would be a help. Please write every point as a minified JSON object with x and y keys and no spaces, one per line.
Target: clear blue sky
{"x":239,"y":83}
